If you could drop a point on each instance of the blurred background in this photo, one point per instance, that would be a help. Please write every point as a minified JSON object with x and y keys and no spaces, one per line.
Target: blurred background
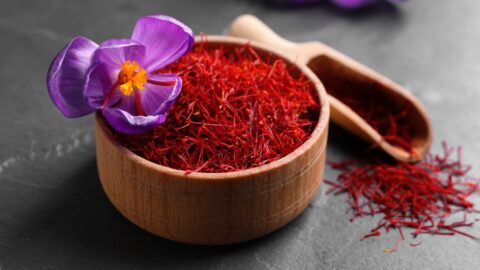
{"x":54,"y":214}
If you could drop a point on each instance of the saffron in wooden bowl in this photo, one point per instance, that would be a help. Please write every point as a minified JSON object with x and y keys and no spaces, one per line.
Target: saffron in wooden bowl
{"x":236,"y":111}
{"x":241,"y":154}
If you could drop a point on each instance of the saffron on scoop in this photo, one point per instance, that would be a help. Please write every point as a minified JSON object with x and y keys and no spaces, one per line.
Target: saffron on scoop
{"x":236,"y":111}
{"x":387,"y":118}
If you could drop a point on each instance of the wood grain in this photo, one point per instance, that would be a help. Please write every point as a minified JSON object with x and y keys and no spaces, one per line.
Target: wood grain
{"x":215,"y":208}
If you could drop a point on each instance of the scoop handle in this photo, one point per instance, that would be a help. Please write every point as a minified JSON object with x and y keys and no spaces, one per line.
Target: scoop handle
{"x":250,"y":27}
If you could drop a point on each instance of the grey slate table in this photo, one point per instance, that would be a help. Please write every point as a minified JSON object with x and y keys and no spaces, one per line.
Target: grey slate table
{"x":54,"y":214}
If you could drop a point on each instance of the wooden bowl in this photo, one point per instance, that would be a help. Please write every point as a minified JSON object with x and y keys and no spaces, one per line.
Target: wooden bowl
{"x":215,"y":208}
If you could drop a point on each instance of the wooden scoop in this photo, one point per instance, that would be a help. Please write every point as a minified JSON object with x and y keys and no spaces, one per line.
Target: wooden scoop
{"x":336,"y":70}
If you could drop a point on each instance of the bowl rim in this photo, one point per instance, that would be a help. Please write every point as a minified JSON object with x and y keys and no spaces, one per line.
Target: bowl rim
{"x":320,"y":128}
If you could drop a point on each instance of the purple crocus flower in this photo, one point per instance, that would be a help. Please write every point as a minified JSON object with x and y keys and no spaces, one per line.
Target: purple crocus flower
{"x":120,"y":76}
{"x":359,"y":3}
{"x":349,"y":4}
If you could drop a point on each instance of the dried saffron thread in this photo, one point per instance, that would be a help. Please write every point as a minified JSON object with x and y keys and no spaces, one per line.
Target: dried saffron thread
{"x":236,"y":111}
{"x":419,"y":196}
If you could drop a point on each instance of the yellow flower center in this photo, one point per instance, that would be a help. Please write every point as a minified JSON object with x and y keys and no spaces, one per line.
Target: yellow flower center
{"x":131,"y":77}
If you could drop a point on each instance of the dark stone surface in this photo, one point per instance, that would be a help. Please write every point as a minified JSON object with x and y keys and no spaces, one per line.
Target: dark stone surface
{"x":54,"y":214}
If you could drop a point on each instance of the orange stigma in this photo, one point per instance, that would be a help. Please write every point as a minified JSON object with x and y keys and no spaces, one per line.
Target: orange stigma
{"x":131,"y":77}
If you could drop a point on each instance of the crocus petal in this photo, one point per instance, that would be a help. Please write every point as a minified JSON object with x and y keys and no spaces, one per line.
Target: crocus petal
{"x":129,"y":104}
{"x":165,"y":38}
{"x":158,"y":96}
{"x":99,"y":89}
{"x":66,"y":75}
{"x":114,"y":52}
{"x":124,"y":122}
{"x":353,"y":3}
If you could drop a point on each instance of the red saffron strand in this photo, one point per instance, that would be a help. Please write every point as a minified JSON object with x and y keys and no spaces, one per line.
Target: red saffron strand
{"x":375,"y":233}
{"x":236,"y":111}
{"x":138,"y":103}
{"x":109,"y":95}
{"x":170,"y":83}
{"x":419,"y":196}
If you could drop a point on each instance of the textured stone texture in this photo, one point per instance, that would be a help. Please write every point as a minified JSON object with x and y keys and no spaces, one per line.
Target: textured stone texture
{"x":54,"y":214}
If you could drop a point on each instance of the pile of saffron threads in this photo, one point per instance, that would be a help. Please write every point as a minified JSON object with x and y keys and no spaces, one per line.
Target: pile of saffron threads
{"x":389,"y":120}
{"x":424,"y":196}
{"x":236,"y":111}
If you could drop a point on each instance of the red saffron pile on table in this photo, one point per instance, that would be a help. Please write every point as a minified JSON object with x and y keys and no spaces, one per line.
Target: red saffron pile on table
{"x":236,"y":111}
{"x":427,"y":196}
